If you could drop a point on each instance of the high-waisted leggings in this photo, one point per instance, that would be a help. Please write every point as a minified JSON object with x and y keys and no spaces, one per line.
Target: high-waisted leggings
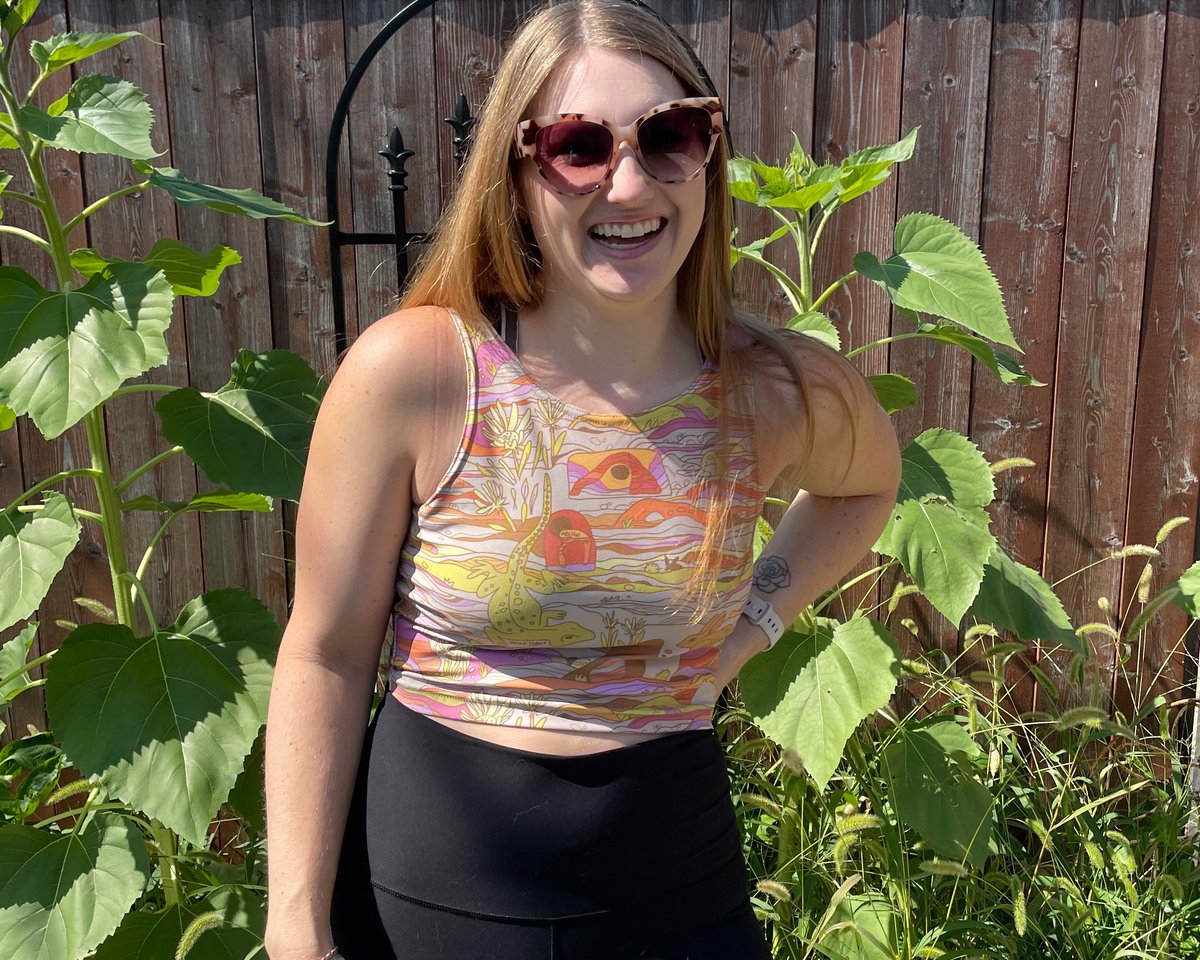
{"x":461,"y":849}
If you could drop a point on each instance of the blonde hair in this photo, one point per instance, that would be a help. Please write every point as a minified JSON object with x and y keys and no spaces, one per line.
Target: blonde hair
{"x":482,"y":257}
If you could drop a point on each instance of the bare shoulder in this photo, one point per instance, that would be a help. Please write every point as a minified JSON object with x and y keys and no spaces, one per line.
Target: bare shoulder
{"x":828,"y":434}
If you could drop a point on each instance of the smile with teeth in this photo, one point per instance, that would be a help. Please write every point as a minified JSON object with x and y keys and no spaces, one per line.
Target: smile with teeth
{"x":627,"y":231}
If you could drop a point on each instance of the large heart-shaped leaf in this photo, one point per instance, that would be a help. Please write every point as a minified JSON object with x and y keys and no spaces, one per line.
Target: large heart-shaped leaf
{"x":809,"y":692}
{"x":64,"y":49}
{"x":19,"y":295}
{"x":936,"y":794}
{"x":61,"y":894}
{"x":942,"y":463}
{"x":943,"y":548}
{"x":72,"y":351}
{"x":156,"y":936}
{"x":938,"y":269}
{"x":98,"y":114}
{"x":166,"y":721}
{"x":252,"y":434}
{"x":33,"y":548}
{"x":246,"y":203}
{"x":1015,"y":597}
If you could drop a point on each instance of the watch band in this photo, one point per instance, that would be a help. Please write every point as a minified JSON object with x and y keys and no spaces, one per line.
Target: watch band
{"x":759,"y":612}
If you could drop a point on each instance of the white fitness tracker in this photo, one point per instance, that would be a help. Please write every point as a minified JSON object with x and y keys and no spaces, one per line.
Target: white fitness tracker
{"x":762,"y":614}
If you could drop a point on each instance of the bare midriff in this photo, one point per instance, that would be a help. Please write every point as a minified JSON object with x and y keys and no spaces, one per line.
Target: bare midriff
{"x":559,"y":743}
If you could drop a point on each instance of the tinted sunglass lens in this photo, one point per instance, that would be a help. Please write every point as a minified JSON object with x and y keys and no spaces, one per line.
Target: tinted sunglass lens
{"x":574,"y":154}
{"x":674,"y":143}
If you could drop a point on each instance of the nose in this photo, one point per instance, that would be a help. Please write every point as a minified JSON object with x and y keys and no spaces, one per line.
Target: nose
{"x":630,"y":182}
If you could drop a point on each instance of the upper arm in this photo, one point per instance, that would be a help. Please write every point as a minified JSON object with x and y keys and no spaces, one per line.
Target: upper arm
{"x":356,"y":501}
{"x":838,"y":441}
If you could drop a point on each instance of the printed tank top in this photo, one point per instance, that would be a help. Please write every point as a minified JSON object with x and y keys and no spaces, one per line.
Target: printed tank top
{"x":542,"y":584}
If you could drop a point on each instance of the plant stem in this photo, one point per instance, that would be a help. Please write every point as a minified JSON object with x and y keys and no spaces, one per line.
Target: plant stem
{"x":76,"y":811}
{"x":826,"y":216}
{"x":110,"y":515}
{"x":103,"y":202}
{"x":790,"y":290}
{"x":26,"y":667}
{"x":883,"y":342}
{"x":16,"y":194}
{"x":148,"y":465}
{"x":167,"y":844}
{"x":26,"y":235}
{"x":842,"y":588}
{"x":840,"y":281}
{"x":804,"y":251}
{"x":49,"y":481}
{"x":145,"y":388}
{"x":140,"y":590}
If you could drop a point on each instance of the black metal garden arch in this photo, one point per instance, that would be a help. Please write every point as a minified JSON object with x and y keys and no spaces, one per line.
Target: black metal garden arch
{"x":397,"y":156}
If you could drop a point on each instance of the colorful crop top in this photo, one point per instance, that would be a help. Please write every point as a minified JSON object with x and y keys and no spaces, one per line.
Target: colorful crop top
{"x":542,"y":584}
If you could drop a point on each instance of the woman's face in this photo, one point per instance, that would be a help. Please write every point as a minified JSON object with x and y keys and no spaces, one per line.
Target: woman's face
{"x":578,"y":259}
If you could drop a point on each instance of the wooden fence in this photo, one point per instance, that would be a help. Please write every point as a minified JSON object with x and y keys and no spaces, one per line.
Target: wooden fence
{"x":1065,"y":135}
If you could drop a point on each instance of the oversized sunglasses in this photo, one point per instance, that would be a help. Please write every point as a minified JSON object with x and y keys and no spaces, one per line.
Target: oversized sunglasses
{"x":577,"y":153}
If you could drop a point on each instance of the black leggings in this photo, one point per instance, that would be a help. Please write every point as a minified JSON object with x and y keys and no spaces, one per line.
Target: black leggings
{"x":461,"y":849}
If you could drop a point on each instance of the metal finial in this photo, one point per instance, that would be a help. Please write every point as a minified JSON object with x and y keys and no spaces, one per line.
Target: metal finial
{"x":462,"y":122}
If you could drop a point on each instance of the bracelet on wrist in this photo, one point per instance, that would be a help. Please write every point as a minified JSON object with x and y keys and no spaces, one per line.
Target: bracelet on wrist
{"x":759,"y":612}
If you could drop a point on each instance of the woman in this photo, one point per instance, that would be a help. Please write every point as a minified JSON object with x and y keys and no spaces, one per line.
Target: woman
{"x":565,"y":435}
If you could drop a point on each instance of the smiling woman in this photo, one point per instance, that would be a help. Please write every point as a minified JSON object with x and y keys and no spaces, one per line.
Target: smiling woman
{"x":561,"y":444}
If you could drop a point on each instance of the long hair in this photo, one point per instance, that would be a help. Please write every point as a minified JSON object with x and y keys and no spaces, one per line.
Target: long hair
{"x":483,"y":257}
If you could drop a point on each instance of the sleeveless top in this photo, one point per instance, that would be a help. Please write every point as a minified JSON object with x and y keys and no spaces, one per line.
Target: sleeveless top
{"x":543,"y":582}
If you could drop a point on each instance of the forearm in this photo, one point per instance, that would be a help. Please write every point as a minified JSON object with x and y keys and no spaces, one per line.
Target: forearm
{"x":315,"y":727}
{"x":817,"y":542}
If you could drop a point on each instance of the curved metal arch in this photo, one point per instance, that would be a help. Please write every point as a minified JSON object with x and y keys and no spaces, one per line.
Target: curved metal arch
{"x":396,"y":153}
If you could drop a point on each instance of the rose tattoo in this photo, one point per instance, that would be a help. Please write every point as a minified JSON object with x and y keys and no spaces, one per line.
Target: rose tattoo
{"x":770,"y":574}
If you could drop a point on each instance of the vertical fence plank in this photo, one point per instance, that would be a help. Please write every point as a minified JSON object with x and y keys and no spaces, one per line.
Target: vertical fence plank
{"x":129,"y":228}
{"x":212,"y":96}
{"x":469,"y":38}
{"x":772,"y":75}
{"x":945,"y":93}
{"x":1166,"y":444}
{"x":1034,"y":51}
{"x":860,"y":53}
{"x":1112,"y":157}
{"x":395,"y":92}
{"x":85,"y":573}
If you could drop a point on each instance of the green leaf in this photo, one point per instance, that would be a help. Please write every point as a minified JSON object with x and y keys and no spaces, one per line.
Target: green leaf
{"x":8,"y":416}
{"x":942,"y":463}
{"x":19,"y":294}
{"x":99,"y":114}
{"x":1014,"y":597}
{"x":818,"y":326}
{"x":1003,"y":364}
{"x":17,"y":13}
{"x":61,"y":894}
{"x":13,"y":656}
{"x":63,"y":49}
{"x":247,"y":203}
{"x":253,"y":433}
{"x":943,"y":549}
{"x":809,"y":692}
{"x":873,"y":922}
{"x":1189,"y":591}
{"x":863,"y":171}
{"x":893,"y":391}
{"x":33,"y":548}
{"x":191,"y":273}
{"x":155,"y":936}
{"x":166,"y":721}
{"x":37,"y":763}
{"x":88,"y":262}
{"x":214,"y":501}
{"x":73,"y":350}
{"x":7,"y":141}
{"x":804,"y":198}
{"x":5,"y":180}
{"x":937,"y":269}
{"x":743,"y":185}
{"x":246,"y":798}
{"x":936,"y":793}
